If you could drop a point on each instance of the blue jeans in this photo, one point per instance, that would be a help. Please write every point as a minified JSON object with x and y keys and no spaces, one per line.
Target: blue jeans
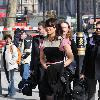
{"x":11,"y":88}
{"x":26,"y":71}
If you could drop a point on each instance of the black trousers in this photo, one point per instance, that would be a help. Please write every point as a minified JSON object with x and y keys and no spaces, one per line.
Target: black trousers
{"x":92,"y":88}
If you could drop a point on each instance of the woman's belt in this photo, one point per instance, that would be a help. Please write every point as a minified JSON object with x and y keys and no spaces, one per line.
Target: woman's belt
{"x":49,"y":63}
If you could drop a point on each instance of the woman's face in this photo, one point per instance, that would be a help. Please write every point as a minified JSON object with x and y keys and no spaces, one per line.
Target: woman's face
{"x":50,"y":30}
{"x":8,"y":40}
{"x":65,"y":28}
{"x":23,"y":35}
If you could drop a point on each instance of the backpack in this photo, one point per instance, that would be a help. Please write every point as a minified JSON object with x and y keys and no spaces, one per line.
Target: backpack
{"x":19,"y":55}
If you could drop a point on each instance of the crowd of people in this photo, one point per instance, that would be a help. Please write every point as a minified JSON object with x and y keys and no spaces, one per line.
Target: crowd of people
{"x":50,"y":61}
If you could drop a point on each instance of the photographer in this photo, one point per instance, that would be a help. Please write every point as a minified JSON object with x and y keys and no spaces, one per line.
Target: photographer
{"x":91,"y":63}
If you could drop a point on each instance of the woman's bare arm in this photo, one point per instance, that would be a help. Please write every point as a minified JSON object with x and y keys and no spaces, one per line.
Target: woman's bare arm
{"x":69,"y":54}
{"x":42,"y":58}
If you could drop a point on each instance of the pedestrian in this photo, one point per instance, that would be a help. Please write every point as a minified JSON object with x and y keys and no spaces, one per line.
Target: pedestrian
{"x":25,"y":48}
{"x":66,"y":33}
{"x":35,"y":65}
{"x":26,"y":45}
{"x":17,"y":37}
{"x":52,"y":52}
{"x":10,"y":56}
{"x":91,"y":63}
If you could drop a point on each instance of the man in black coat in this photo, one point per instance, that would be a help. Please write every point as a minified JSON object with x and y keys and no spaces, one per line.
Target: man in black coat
{"x":91,"y":63}
{"x":35,"y":65}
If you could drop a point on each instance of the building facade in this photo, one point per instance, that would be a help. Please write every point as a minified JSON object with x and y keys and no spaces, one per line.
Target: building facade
{"x":3,"y":5}
{"x":98,"y":8}
{"x":62,"y":7}
{"x":69,"y":7}
{"x":26,"y":4}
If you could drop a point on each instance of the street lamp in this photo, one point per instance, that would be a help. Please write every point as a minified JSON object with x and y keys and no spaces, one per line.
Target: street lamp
{"x":94,"y":12}
{"x":43,"y":10}
{"x":80,"y":38}
{"x":21,"y":6}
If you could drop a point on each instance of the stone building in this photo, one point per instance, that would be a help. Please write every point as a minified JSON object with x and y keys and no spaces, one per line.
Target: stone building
{"x":25,"y":4}
{"x":69,"y":7}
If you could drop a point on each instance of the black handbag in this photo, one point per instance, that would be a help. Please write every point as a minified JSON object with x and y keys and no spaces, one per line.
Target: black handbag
{"x":80,"y":90}
{"x":27,"y":90}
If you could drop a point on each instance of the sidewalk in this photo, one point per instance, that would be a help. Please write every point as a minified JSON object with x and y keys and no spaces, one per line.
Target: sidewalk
{"x":18,"y":96}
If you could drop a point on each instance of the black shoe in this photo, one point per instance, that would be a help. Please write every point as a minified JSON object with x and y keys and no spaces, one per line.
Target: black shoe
{"x":20,"y":90}
{"x":7,"y":95}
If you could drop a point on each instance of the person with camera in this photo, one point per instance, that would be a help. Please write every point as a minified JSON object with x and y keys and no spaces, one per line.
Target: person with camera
{"x":91,"y":63}
{"x":52,"y":52}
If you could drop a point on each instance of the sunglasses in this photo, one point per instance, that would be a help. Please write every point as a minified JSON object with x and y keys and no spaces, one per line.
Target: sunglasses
{"x":97,"y":29}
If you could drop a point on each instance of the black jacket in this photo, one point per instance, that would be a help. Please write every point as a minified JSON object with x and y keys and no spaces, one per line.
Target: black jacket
{"x":35,"y":55}
{"x":91,"y":63}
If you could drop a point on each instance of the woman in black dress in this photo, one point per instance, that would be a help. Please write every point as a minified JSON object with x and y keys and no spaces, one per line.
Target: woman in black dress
{"x":52,"y":52}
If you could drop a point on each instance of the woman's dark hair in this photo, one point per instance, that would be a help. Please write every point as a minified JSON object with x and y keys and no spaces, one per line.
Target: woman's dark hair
{"x":52,"y":22}
{"x":7,"y":36}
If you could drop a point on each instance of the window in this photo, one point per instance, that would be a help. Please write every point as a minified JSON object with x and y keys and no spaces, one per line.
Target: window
{"x":35,"y":1}
{"x":25,"y":1}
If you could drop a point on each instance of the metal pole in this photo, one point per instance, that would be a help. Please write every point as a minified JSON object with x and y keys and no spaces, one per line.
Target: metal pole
{"x":79,"y":16}
{"x":58,"y":8}
{"x":21,"y":6}
{"x":43,"y":10}
{"x":80,"y":38}
{"x":94,"y":12}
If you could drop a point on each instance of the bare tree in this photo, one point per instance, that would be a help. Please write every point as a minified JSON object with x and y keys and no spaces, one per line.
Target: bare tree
{"x":11,"y":14}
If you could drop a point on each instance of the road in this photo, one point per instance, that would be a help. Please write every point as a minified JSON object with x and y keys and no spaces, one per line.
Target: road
{"x":18,"y":96}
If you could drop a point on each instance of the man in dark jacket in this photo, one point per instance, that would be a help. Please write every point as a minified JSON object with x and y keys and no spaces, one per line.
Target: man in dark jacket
{"x":91,"y":63}
{"x":35,"y":65}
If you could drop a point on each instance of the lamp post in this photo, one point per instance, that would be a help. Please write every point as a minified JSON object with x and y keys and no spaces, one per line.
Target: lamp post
{"x":80,"y":38}
{"x":94,"y":12}
{"x":43,"y":10}
{"x":21,"y":6}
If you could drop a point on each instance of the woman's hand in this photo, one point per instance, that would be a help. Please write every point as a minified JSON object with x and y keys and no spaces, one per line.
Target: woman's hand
{"x":82,"y":76}
{"x":45,"y":66}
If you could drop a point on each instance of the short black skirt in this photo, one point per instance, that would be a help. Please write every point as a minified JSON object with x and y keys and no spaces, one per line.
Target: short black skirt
{"x":53,"y":70}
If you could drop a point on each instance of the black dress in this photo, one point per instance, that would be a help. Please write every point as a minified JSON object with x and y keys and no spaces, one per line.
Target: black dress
{"x":51,"y":80}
